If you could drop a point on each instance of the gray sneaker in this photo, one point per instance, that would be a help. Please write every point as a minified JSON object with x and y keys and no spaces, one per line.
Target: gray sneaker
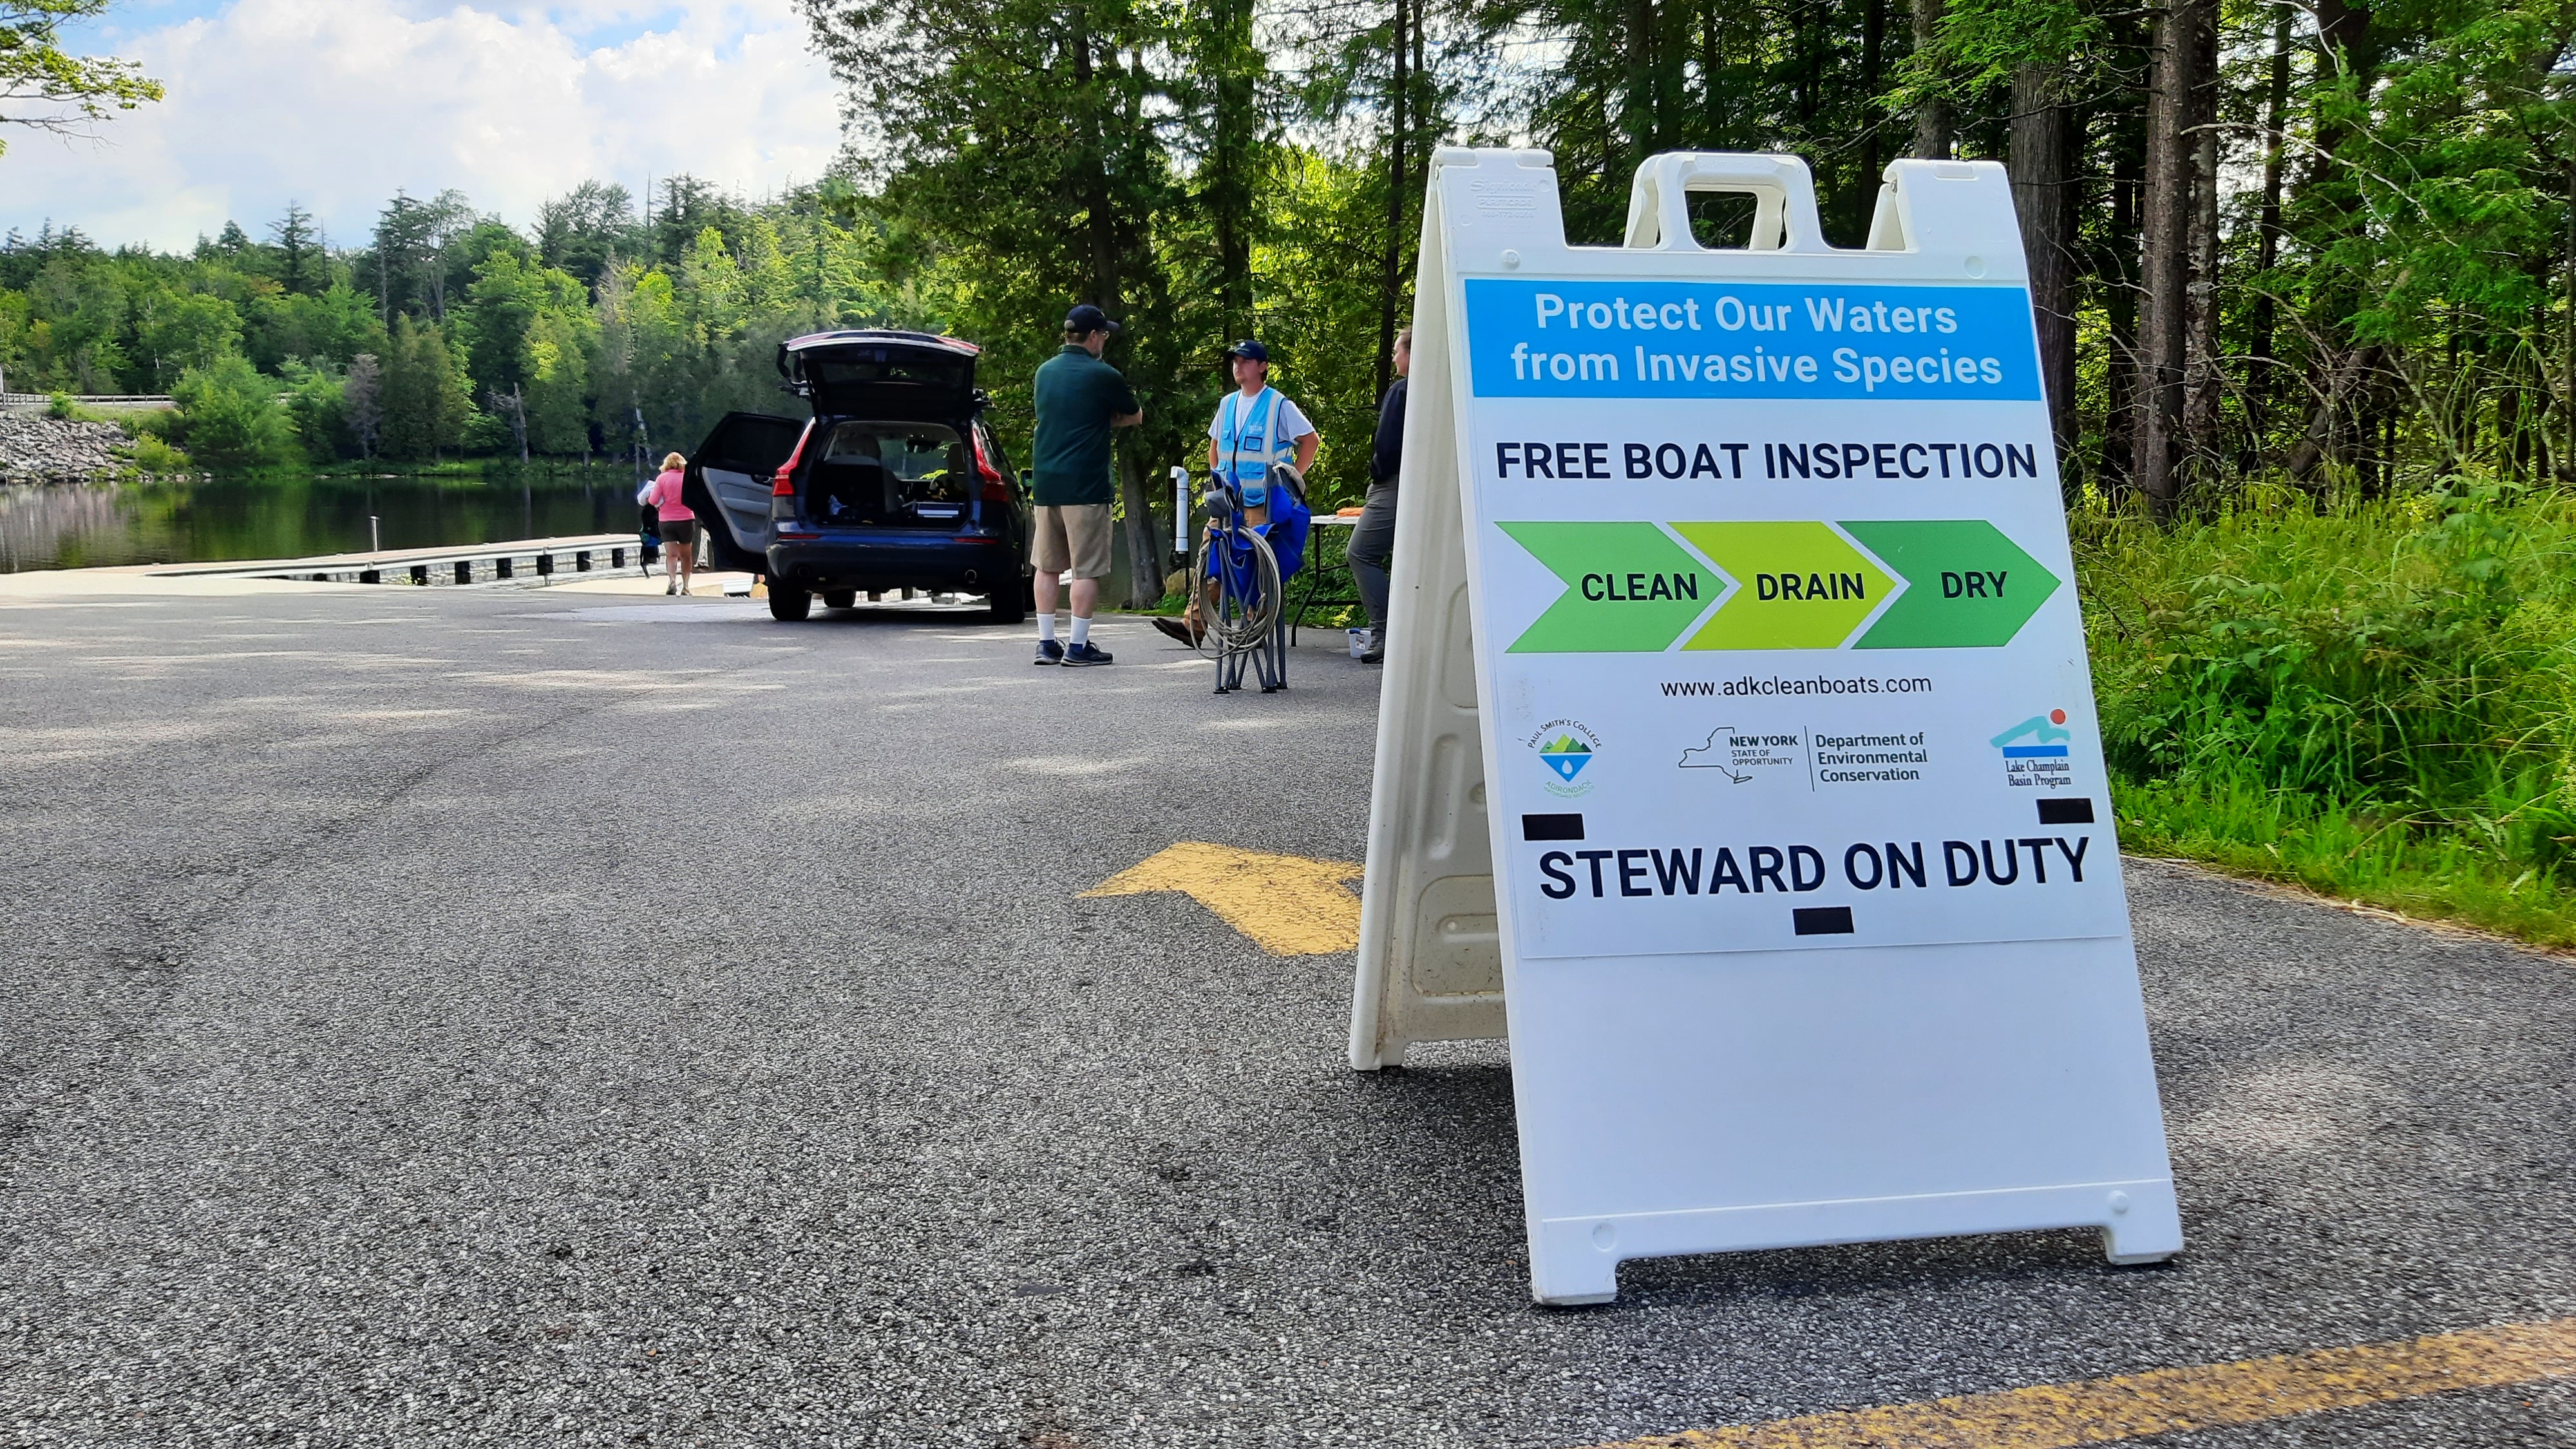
{"x":1376,"y":651}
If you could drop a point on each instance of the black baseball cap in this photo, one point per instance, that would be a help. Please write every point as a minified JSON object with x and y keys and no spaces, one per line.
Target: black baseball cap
{"x":1249,"y":348}
{"x":1087,"y":319}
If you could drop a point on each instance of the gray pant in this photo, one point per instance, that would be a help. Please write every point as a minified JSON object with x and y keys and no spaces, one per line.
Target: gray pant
{"x":1372,"y":549}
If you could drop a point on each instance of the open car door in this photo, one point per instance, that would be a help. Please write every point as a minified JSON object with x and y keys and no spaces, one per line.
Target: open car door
{"x":728,"y":485}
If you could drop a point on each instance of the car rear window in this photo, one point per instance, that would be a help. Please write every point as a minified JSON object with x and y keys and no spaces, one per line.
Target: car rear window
{"x":836,"y":372}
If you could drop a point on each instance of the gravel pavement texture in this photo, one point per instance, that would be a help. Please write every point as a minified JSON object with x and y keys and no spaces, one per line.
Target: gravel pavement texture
{"x":499,"y":1017}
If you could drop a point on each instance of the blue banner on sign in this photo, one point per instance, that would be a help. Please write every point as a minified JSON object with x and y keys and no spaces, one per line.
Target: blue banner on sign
{"x":1749,"y":340}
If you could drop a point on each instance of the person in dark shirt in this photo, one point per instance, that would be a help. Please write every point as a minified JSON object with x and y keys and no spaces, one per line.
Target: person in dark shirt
{"x":1080,"y":399}
{"x":1373,"y":540}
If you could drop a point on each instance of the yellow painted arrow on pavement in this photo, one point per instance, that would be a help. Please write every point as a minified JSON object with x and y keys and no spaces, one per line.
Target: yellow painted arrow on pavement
{"x":1287,"y":904}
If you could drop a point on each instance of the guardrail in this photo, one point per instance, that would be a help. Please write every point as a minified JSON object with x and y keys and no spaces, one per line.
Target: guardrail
{"x":100,"y":400}
{"x":538,"y":560}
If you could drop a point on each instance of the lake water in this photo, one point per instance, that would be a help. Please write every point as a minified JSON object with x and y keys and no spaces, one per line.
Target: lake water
{"x":53,"y":526}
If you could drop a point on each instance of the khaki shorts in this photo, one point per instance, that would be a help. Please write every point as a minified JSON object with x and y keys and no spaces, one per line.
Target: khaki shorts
{"x":1072,"y":536}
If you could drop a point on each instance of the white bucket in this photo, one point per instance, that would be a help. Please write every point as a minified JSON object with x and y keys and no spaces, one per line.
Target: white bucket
{"x":1359,"y":642}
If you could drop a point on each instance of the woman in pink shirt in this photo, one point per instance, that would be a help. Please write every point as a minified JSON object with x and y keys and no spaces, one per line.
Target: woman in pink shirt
{"x":679,"y":526}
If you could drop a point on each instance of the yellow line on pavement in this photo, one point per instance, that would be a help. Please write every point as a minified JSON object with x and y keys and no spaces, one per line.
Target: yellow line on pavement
{"x":1289,"y":905}
{"x":2169,"y":1401}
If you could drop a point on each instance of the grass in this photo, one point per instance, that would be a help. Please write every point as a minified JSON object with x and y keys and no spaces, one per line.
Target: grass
{"x":2372,"y":701}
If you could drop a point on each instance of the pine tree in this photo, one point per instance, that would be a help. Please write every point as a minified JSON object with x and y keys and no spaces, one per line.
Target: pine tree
{"x":299,"y":256}
{"x":448,"y":400}
{"x":409,"y":416}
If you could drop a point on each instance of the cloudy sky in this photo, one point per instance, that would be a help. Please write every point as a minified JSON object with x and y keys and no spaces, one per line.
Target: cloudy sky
{"x":337,"y":103}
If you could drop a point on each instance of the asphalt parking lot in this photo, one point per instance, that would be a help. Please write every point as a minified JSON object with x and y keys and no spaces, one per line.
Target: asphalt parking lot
{"x":510,"y":1016}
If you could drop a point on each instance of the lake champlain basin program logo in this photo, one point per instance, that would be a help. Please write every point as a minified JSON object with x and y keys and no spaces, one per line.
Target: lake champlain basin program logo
{"x":1567,"y":749}
{"x":2035,"y":753}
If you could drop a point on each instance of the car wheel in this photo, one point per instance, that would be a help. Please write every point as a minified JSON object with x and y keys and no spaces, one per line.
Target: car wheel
{"x":1008,"y":605}
{"x":841,"y":598}
{"x":788,"y":605}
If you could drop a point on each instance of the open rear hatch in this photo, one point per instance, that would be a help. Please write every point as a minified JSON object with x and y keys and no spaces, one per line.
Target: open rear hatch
{"x":890,"y":474}
{"x":884,"y":375}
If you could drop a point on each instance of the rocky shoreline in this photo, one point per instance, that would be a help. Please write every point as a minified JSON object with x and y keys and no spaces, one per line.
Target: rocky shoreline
{"x":39,"y":449}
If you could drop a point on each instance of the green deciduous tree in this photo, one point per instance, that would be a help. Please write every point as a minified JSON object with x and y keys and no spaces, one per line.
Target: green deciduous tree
{"x":44,"y":87}
{"x":558,"y":382}
{"x":509,"y":293}
{"x":229,"y":417}
{"x":316,"y":403}
{"x":182,"y":330}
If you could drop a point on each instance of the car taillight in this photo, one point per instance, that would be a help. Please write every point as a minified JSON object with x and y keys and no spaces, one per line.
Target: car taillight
{"x":782,"y":484}
{"x":997,"y":489}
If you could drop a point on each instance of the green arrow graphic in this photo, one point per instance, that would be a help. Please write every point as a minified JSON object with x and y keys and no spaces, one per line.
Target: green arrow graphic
{"x":1967,"y":586}
{"x":1629,"y":589}
{"x":1800,"y":585}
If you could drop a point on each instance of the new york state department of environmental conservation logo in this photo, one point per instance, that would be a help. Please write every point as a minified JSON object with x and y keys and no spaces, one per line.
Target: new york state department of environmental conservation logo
{"x":1566,"y":747}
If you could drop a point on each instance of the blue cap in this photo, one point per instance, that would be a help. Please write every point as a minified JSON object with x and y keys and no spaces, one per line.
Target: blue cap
{"x":1087,"y":319}
{"x":1249,"y":348}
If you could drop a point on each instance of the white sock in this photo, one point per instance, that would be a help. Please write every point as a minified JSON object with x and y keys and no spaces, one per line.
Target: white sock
{"x":1081,"y":631}
{"x":1046,"y":628}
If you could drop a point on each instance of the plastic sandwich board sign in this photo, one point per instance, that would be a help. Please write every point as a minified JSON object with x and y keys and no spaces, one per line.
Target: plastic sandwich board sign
{"x":1737,"y":752}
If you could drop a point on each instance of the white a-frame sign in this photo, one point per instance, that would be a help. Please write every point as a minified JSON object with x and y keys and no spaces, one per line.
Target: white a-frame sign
{"x":1737,"y":743}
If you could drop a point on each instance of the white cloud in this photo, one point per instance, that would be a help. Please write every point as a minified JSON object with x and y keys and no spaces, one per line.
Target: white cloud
{"x":337,"y":103}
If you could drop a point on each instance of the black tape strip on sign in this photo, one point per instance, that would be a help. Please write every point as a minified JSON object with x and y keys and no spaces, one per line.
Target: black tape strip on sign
{"x":1551,"y":827}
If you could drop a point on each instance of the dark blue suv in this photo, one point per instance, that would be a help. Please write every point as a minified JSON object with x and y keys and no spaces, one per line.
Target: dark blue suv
{"x":894,"y":483}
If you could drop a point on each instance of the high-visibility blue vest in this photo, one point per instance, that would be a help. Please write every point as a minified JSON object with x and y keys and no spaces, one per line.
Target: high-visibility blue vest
{"x":1243,"y":466}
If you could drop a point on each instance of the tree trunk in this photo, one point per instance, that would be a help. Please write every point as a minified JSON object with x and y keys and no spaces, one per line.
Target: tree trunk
{"x":1415,"y":111}
{"x":1100,"y":228}
{"x":1392,"y":281}
{"x":1873,"y":47}
{"x":1637,"y":107}
{"x":2326,"y":439}
{"x":2118,"y":269}
{"x":1932,"y":119}
{"x":1230,"y":186}
{"x":2202,"y":382}
{"x":1100,"y":231}
{"x":2267,"y":240}
{"x":1145,"y":546}
{"x":2165,"y":248}
{"x":1713,"y":128}
{"x":2513,"y":446}
{"x":2040,"y":159}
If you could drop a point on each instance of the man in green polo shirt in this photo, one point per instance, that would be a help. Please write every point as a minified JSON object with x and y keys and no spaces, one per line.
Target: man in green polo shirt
{"x":1079,"y":400}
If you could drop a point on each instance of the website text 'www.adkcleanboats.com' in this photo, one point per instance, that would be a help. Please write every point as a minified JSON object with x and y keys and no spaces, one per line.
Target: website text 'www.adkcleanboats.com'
{"x":1772,"y":686}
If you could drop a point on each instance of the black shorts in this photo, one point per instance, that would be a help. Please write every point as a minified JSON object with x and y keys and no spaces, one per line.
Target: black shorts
{"x":682,"y":532}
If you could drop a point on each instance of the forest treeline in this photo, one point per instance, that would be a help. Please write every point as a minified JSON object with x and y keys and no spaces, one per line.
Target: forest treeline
{"x":599,"y":330}
{"x":2329,"y":246}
